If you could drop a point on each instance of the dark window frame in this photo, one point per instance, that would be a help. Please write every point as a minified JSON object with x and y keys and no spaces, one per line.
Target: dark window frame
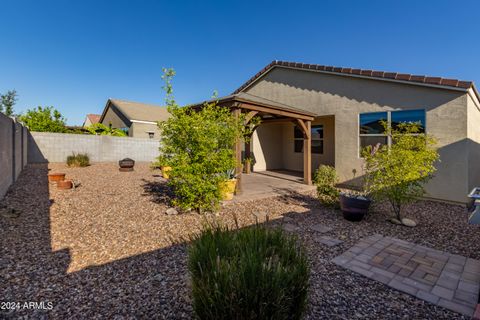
{"x":298,"y":137}
{"x":389,"y":122}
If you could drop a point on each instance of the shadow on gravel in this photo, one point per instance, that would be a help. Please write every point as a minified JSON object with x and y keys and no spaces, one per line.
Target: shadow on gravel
{"x":148,"y":285}
{"x":159,"y":191}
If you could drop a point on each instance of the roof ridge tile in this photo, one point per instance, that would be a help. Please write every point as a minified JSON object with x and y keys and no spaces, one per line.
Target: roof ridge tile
{"x":445,"y":82}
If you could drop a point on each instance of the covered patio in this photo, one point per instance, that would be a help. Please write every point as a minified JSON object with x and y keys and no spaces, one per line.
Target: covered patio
{"x":270,"y":112}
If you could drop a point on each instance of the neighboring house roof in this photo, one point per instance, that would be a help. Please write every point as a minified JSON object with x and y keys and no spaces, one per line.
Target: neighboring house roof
{"x":94,"y":118}
{"x":136,"y":111}
{"x":375,"y":75}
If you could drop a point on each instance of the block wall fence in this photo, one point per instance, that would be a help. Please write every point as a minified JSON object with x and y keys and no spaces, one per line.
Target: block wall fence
{"x":19,"y":146}
{"x":13,"y":151}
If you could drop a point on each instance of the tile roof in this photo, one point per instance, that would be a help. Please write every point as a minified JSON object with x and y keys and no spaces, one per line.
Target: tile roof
{"x":380,"y":75}
{"x":94,"y":118}
{"x":139,"y":111}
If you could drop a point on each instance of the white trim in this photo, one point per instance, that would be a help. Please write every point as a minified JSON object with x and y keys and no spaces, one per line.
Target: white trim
{"x":361,"y":77}
{"x":142,"y":121}
{"x":474,"y":97}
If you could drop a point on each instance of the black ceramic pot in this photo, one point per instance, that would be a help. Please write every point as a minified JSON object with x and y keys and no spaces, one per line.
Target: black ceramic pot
{"x":126,"y":164}
{"x":354,"y":209}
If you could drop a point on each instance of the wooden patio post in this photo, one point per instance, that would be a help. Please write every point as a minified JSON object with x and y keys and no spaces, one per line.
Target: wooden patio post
{"x":248,"y":148}
{"x":238,"y":157}
{"x":307,"y":154}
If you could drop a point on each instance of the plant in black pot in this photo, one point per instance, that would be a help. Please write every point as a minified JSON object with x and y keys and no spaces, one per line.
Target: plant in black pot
{"x":354,"y":205}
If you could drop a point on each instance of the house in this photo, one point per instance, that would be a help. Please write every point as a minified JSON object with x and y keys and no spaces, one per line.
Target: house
{"x":138,"y":119}
{"x":313,"y":114}
{"x":91,"y":119}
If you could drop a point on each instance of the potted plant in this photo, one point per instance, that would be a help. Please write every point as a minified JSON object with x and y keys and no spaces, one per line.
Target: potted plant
{"x":228,"y":184}
{"x":248,"y":164}
{"x":163,"y":163}
{"x":165,"y":171}
{"x":354,"y":205}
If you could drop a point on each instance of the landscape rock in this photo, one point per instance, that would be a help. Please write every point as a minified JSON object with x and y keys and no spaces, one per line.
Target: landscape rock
{"x":408,"y":222}
{"x":171,"y":211}
{"x":395,"y":221}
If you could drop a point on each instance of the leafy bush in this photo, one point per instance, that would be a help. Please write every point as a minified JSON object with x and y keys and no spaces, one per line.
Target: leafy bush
{"x":45,"y":119}
{"x":325,"y":179}
{"x":78,"y":160}
{"x":397,"y":173}
{"x":103,"y":130}
{"x":198,"y":145}
{"x":252,"y":273}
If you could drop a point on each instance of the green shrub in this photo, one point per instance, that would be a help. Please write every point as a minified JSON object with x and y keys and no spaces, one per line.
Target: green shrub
{"x":251,"y":273}
{"x":44,"y":119}
{"x":198,"y":145}
{"x":397,"y":173}
{"x":78,"y":160}
{"x":325,"y":179}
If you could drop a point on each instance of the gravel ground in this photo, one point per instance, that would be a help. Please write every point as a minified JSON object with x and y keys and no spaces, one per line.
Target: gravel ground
{"x":108,"y":250}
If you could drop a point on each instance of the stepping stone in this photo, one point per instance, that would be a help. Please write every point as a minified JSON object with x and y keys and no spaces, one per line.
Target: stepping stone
{"x":329,"y":241}
{"x":321,"y":228}
{"x":289,"y":227}
{"x":260,"y":216}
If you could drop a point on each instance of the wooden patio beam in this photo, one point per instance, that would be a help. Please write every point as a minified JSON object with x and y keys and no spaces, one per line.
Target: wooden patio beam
{"x":285,"y":113}
{"x":304,"y":127}
{"x":278,"y":120}
{"x":250,"y":116}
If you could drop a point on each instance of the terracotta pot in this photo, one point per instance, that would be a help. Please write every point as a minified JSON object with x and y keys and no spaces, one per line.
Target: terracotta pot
{"x":354,"y":209}
{"x":227,"y":189}
{"x":64,"y":184}
{"x":165,"y":171}
{"x":56,"y":176}
{"x":126,"y":164}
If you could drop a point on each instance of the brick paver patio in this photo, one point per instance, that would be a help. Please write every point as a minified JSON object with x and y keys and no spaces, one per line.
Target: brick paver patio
{"x":444,"y":279}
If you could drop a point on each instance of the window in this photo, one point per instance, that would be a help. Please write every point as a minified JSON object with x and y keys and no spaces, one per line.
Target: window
{"x":409,"y":116}
{"x":371,"y":129}
{"x":151,"y":135}
{"x":372,"y":132}
{"x":317,"y":139}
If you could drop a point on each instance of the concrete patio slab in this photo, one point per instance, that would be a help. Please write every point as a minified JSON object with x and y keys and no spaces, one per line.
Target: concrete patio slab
{"x":444,"y":279}
{"x":256,"y":186}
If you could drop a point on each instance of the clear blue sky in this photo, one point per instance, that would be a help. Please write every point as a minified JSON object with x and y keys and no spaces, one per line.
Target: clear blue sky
{"x":74,"y":55}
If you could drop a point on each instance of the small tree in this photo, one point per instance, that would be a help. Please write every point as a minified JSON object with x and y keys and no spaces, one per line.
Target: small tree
{"x":397,"y":173}
{"x":44,"y":119}
{"x":198,"y":145}
{"x":103,"y":130}
{"x":7,"y":102}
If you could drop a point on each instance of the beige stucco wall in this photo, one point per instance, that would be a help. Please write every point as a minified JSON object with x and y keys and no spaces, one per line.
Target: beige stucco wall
{"x":140,"y":130}
{"x":112,"y":118}
{"x":473,"y":141}
{"x":346,"y":97}
{"x":267,"y":147}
